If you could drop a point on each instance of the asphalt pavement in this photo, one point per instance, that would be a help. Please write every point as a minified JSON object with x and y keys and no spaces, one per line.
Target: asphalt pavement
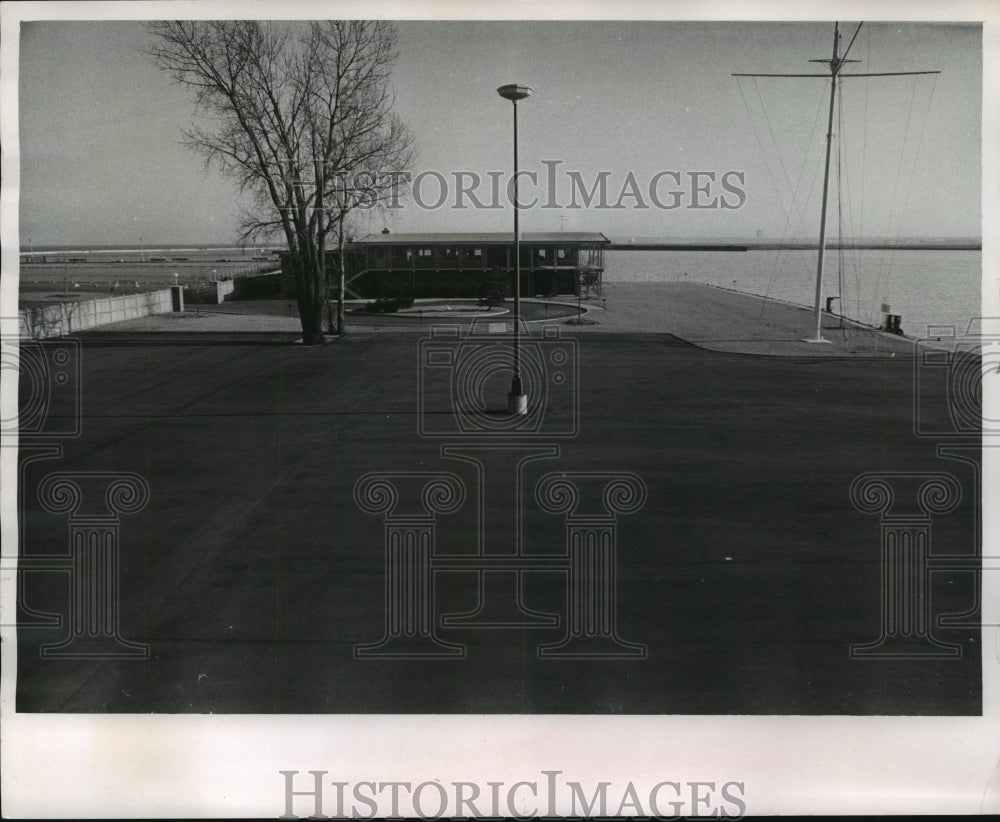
{"x":256,"y":575}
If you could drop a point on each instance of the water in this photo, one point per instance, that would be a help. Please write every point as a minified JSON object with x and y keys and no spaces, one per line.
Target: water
{"x":925,"y":287}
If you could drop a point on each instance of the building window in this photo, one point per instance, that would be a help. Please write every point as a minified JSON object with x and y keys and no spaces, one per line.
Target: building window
{"x":496,"y":257}
{"x":425,"y":257}
{"x":473,"y":257}
{"x":401,"y":257}
{"x":565,"y":256}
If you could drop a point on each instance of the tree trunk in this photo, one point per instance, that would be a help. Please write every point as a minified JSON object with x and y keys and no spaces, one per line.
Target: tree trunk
{"x":309,"y":295}
{"x":331,"y":322}
{"x":341,"y":328}
{"x":312,"y":327}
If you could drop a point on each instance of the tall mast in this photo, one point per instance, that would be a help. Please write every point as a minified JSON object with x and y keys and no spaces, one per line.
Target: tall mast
{"x":817,"y":314}
{"x":835,"y":63}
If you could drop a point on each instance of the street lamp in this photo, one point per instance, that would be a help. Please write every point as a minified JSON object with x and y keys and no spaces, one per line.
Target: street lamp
{"x":517,"y":400}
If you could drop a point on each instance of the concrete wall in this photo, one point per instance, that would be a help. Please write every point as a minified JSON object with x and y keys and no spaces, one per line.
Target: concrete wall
{"x":65,"y":318}
{"x":222,"y":288}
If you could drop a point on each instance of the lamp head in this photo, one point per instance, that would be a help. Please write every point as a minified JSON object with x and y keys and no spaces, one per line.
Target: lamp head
{"x":514,"y":92}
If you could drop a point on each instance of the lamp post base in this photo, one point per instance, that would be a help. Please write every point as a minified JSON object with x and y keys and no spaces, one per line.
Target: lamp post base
{"x":517,"y":404}
{"x":815,"y":340}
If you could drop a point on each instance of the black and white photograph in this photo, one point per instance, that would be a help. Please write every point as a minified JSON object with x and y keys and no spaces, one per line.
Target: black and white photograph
{"x":439,"y":410}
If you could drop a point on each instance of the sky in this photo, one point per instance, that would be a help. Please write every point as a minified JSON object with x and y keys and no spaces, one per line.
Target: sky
{"x":649,"y":106}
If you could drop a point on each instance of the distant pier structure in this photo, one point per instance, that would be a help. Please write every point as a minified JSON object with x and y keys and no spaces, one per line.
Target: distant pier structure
{"x":458,"y":265}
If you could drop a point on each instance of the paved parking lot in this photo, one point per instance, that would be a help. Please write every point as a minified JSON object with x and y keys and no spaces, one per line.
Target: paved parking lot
{"x":253,"y":573}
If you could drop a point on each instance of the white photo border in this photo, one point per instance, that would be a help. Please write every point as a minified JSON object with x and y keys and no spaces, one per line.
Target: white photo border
{"x":228,"y":766}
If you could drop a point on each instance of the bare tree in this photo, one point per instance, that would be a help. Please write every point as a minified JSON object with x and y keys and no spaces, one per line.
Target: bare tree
{"x":302,"y":118}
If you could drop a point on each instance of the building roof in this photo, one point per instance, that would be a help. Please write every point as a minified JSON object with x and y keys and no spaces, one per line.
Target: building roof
{"x":484,"y":237}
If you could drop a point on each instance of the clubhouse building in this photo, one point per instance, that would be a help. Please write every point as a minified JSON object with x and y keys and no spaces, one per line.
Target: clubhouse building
{"x":458,"y":265}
